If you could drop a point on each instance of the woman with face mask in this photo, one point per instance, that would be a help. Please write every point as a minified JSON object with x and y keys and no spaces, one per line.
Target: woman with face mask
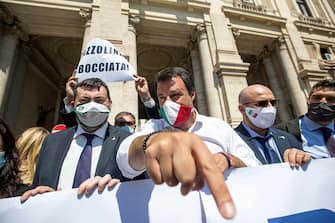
{"x":10,"y":184}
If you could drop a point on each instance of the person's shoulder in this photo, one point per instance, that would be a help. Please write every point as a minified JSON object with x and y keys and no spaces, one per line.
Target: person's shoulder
{"x":205,"y":118}
{"x":289,"y":122}
{"x":115,"y":131}
{"x":61,"y":134}
{"x":155,"y":125}
{"x":280,"y":132}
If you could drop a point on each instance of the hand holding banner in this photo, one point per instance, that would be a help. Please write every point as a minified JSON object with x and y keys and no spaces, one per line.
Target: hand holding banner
{"x":102,"y":60}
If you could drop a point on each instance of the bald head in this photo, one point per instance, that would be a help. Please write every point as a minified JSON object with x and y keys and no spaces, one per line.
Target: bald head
{"x":255,"y":92}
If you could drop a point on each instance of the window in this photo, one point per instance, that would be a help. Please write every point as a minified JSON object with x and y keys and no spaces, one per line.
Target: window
{"x":304,"y":9}
{"x":325,"y":54}
{"x":252,"y":2}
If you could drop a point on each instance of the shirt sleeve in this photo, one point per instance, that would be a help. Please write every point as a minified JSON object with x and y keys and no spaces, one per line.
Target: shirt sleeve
{"x":122,"y":159}
{"x":240,"y":149}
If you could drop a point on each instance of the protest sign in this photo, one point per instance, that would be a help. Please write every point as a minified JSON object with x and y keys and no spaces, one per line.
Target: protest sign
{"x":102,"y":60}
{"x":266,"y":194}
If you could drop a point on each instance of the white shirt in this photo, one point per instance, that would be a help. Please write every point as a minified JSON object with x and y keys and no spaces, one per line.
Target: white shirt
{"x":216,"y":134}
{"x":72,"y":157}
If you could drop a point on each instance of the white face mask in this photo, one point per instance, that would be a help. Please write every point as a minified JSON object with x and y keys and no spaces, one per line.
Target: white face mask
{"x":92,"y":114}
{"x":262,"y":117}
{"x":2,"y":159}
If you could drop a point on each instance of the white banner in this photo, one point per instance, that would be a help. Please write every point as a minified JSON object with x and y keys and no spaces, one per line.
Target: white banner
{"x":266,"y":194}
{"x":101,"y":59}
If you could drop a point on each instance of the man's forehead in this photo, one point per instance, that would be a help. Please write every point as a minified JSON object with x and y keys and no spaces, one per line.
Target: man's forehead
{"x":173,"y":84}
{"x":128,"y":117}
{"x":92,"y":93}
{"x":100,"y":89}
{"x":324,"y":90}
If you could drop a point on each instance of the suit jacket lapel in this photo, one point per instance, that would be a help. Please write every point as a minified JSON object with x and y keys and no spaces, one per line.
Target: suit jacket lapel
{"x":281,"y":142}
{"x":108,"y":152}
{"x":251,"y":142}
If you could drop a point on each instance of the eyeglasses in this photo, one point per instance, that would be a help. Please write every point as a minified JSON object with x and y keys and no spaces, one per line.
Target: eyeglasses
{"x":263,"y":103}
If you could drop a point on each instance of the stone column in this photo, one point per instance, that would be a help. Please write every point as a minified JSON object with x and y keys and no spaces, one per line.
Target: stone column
{"x":132,"y":97}
{"x":209,"y":77}
{"x":8,"y":44}
{"x":11,"y":110}
{"x":298,"y":99}
{"x":87,"y":16}
{"x":200,"y":95}
{"x":329,"y":10}
{"x":275,"y":87}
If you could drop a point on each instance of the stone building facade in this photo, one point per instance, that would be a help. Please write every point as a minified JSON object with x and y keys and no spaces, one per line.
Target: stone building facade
{"x":226,"y":44}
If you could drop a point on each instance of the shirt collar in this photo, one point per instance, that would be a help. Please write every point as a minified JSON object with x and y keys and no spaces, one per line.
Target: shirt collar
{"x":312,"y":125}
{"x":101,"y":132}
{"x":196,"y":121}
{"x":254,"y":134}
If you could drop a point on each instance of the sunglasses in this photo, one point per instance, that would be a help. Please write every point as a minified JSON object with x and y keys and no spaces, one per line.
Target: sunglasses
{"x":123,"y":123}
{"x":263,"y":103}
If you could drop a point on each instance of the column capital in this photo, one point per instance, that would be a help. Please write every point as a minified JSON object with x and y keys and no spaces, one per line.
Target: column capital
{"x":235,"y":31}
{"x":6,"y":15}
{"x":16,"y":30}
{"x":199,"y":32}
{"x":266,"y":52}
{"x":11,"y":24}
{"x":86,"y":14}
{"x":133,"y":20}
{"x":200,"y":29}
{"x":281,"y":42}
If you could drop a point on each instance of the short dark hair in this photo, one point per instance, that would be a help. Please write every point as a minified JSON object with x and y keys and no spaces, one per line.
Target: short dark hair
{"x":323,"y":84}
{"x":171,"y":72}
{"x":91,"y":83}
{"x":119,"y":120}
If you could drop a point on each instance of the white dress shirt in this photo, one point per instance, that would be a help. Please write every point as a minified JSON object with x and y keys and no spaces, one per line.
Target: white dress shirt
{"x":216,"y":134}
{"x":72,"y":157}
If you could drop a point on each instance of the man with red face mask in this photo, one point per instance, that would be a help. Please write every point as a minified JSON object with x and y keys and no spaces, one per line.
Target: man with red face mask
{"x":316,"y":128}
{"x":176,"y":148}
{"x":184,"y":146}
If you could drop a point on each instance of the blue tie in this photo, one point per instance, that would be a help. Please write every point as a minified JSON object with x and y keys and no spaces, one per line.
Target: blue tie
{"x":329,"y":143}
{"x":326,"y":133}
{"x":83,"y":170}
{"x":270,"y":155}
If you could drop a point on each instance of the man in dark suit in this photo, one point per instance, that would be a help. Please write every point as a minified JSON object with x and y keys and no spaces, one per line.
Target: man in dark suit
{"x":316,"y":129}
{"x":89,"y":149}
{"x":142,"y":88}
{"x":257,"y":105}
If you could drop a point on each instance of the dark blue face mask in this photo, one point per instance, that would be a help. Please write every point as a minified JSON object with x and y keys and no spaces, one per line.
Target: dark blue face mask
{"x":321,"y":112}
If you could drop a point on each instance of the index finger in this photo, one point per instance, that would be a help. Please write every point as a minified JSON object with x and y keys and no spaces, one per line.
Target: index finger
{"x":215,"y":180}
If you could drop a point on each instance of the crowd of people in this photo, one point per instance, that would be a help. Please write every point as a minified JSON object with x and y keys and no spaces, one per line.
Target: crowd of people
{"x":176,"y":146}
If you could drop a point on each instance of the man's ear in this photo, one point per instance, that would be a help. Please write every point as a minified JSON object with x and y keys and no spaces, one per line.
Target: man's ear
{"x":241,"y":108}
{"x":109,"y":104}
